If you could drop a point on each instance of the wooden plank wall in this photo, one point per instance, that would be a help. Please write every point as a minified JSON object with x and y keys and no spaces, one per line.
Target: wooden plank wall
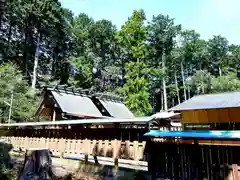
{"x":186,"y":161}
{"x":225,"y":115}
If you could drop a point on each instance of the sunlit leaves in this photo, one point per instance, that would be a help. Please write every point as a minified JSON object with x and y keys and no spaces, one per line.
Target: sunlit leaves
{"x":24,"y":100}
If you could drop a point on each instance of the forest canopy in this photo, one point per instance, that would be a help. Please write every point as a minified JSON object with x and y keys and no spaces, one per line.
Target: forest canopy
{"x":154,"y":64}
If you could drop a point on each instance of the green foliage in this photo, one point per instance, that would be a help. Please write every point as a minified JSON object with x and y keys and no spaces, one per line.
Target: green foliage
{"x":23,"y":22}
{"x":172,"y":91}
{"x":80,"y":28}
{"x":190,"y":45}
{"x":147,"y":59}
{"x":133,"y":35}
{"x":225,"y":84}
{"x":200,"y":82}
{"x":218,"y":48}
{"x":162,"y":34}
{"x":203,"y":82}
{"x":24,"y":99}
{"x":84,"y":66}
{"x":136,"y":89}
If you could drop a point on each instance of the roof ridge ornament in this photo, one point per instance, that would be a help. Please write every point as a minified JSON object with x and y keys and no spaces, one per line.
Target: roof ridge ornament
{"x":83,"y":92}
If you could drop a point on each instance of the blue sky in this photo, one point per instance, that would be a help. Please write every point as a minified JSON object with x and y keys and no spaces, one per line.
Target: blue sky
{"x":207,"y":17}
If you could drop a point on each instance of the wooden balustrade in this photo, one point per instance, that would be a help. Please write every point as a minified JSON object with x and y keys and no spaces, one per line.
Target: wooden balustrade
{"x":103,"y":148}
{"x":132,"y":154}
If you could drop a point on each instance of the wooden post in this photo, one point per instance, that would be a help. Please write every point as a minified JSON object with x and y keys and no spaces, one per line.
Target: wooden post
{"x":115,"y":152}
{"x":116,"y":162}
{"x":61,"y":157}
{"x":86,"y":159}
{"x":235,"y":172}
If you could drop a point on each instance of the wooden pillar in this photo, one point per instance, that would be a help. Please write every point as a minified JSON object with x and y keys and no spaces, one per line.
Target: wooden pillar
{"x":235,"y":172}
{"x":86,"y":159}
{"x":115,"y":145}
{"x":61,"y":157}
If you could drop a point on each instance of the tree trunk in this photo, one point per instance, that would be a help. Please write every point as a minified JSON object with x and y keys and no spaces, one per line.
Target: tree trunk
{"x":176,"y":84}
{"x":55,"y":62}
{"x":220,"y":70}
{"x":189,"y":93}
{"x":34,"y":78}
{"x":188,"y":88}
{"x":165,"y":107}
{"x":25,"y":53}
{"x":203,"y":89}
{"x":9,"y":34}
{"x":162,"y":101}
{"x":122,"y":72}
{"x":27,"y":44}
{"x":183,"y":79}
{"x":2,"y":10}
{"x":173,"y":102}
{"x":37,"y":163}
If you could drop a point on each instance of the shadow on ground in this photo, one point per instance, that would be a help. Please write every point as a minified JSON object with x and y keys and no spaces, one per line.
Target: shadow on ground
{"x":109,"y":172}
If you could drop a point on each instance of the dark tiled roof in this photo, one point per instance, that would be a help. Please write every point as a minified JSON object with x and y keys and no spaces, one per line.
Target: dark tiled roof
{"x":210,"y":101}
{"x":76,"y":104}
{"x":83,"y":105}
{"x":117,"y":109}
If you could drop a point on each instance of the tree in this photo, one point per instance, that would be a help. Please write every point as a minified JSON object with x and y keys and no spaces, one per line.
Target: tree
{"x":132,"y":37}
{"x":62,"y":46}
{"x":218,"y":48}
{"x":24,"y":100}
{"x":234,"y":57}
{"x":190,"y":47}
{"x":102,"y":36}
{"x":81,"y":72}
{"x":224,"y":84}
{"x":174,"y":71}
{"x":136,"y":89}
{"x":200,"y":82}
{"x":81,"y":26}
{"x":190,"y":51}
{"x":95,"y":42}
{"x":162,"y":34}
{"x":30,"y":31}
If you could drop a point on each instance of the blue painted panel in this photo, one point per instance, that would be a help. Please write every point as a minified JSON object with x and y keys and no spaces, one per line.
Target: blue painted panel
{"x":195,"y":134}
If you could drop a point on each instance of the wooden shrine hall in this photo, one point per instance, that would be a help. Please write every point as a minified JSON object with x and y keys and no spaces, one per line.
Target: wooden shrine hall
{"x":61,"y":102}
